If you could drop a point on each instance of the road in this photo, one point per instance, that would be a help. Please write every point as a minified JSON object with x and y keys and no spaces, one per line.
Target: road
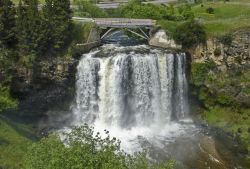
{"x":117,"y":4}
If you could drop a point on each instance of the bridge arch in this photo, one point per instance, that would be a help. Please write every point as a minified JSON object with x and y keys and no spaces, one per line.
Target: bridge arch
{"x":139,"y":32}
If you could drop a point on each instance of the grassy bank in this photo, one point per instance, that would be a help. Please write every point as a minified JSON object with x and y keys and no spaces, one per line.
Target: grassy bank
{"x":223,"y":98}
{"x":15,"y":138}
{"x":226,"y":17}
{"x":234,"y":122}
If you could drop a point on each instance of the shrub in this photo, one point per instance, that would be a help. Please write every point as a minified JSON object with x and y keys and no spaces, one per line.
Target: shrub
{"x":87,"y":9}
{"x":199,"y":73}
{"x":226,"y":39}
{"x":238,"y":59}
{"x":186,"y":12}
{"x":210,"y":10}
{"x":83,"y":150}
{"x":189,"y":34}
{"x":6,"y":101}
{"x":217,"y":51}
{"x":226,"y":100}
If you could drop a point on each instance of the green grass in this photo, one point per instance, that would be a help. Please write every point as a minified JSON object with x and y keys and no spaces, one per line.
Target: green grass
{"x":230,"y":121}
{"x":15,"y":138}
{"x":168,"y":25}
{"x":227,"y":17}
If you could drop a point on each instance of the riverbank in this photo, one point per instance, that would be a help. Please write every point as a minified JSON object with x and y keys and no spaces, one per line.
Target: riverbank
{"x":220,"y":86}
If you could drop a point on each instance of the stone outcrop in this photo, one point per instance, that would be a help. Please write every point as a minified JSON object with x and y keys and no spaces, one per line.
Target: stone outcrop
{"x":48,"y":84}
{"x":233,"y":61}
{"x":161,"y":39}
{"x":226,"y":57}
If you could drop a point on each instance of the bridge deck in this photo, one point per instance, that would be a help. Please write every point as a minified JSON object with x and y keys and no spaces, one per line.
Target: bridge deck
{"x":119,"y":22}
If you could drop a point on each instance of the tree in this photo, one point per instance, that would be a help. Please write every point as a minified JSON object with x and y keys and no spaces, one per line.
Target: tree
{"x":189,"y":34}
{"x":29,"y":27}
{"x":7,"y":23}
{"x":58,"y":23}
{"x":88,"y":9}
{"x":83,"y":150}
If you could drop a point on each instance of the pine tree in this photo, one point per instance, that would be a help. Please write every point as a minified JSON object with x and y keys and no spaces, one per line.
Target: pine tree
{"x":29,"y":25}
{"x":57,"y":14}
{"x":7,"y":23}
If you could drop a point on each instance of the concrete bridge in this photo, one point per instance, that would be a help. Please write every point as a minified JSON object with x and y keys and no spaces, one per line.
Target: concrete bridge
{"x":107,"y":25}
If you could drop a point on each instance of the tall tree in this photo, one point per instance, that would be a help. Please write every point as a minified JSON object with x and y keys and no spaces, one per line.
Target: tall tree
{"x":57,"y":14}
{"x":7,"y":23}
{"x":29,"y":25}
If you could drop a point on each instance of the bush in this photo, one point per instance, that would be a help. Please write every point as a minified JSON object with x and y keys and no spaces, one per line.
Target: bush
{"x":225,"y":99}
{"x":210,"y":10}
{"x":87,"y":9}
{"x":199,"y":73}
{"x":226,"y":39}
{"x":142,"y":11}
{"x":217,"y":51}
{"x":135,"y":9}
{"x":82,"y":150}
{"x":190,"y":34}
{"x":6,"y":101}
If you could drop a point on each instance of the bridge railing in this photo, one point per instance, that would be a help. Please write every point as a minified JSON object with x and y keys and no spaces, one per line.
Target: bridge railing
{"x":119,"y":22}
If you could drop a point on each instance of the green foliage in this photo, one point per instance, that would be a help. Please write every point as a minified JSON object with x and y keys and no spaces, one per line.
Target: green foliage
{"x":81,"y":31}
{"x":88,"y":9}
{"x":231,"y":121}
{"x":186,"y":12}
{"x":217,"y":51}
{"x":226,"y":39}
{"x":6,"y":101}
{"x":28,"y":26}
{"x":58,"y":25}
{"x":225,"y":100}
{"x":210,"y":10}
{"x":7,"y":23}
{"x":199,"y":73}
{"x":135,"y":9}
{"x":190,"y":34}
{"x":227,"y":17}
{"x":84,"y":150}
{"x":15,"y":137}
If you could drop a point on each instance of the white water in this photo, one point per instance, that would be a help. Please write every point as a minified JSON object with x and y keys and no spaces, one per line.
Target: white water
{"x":134,"y":92}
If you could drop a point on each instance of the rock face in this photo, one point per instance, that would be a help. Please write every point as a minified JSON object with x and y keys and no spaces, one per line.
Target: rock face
{"x":232,"y":62}
{"x":226,"y":57}
{"x":161,"y":39}
{"x":48,"y":84}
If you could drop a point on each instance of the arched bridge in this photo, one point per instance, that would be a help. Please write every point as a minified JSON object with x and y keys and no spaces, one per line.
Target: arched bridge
{"x":109,"y":24}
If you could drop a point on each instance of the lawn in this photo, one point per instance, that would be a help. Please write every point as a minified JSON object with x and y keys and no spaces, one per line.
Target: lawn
{"x":226,"y":17}
{"x":15,"y":137}
{"x":230,"y":121}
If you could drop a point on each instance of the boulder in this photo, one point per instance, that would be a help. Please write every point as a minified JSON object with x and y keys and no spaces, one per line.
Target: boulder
{"x":161,"y":39}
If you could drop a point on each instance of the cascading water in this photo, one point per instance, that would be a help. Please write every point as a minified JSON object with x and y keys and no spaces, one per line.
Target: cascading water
{"x":132,"y":91}
{"x":140,"y":95}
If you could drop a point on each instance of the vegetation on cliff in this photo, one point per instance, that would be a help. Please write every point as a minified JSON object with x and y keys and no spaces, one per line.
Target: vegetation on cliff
{"x":224,"y":98}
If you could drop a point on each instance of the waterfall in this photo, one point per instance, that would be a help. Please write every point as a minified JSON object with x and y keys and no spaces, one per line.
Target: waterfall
{"x":131,"y":86}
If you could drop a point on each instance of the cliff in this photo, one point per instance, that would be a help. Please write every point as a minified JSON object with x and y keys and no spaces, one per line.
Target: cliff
{"x":220,"y":83}
{"x":46,"y":85}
